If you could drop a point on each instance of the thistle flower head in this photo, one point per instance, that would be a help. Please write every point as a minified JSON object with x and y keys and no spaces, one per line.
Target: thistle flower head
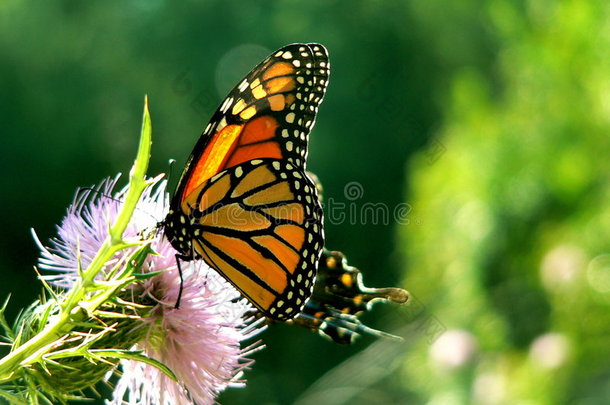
{"x":85,"y":227}
{"x":200,"y":341}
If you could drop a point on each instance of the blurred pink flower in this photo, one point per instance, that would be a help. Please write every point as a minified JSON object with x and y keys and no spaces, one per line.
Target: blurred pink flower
{"x":200,"y":341}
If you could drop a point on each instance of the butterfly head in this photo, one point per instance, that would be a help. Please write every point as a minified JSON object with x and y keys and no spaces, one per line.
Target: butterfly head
{"x":177,"y":230}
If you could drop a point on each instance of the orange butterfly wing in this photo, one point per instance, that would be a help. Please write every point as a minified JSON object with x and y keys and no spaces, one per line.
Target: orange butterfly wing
{"x":244,"y":203}
{"x":268,"y":115}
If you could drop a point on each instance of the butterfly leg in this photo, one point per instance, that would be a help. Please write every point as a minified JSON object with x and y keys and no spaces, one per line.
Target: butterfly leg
{"x":179,"y":258}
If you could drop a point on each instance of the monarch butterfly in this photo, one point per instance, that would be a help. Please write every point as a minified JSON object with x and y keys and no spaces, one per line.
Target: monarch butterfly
{"x":244,"y":203}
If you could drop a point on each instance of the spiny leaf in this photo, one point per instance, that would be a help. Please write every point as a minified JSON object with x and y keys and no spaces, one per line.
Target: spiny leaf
{"x":136,"y":355}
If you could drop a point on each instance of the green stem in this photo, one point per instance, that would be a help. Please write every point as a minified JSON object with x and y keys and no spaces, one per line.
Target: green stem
{"x":113,"y":243}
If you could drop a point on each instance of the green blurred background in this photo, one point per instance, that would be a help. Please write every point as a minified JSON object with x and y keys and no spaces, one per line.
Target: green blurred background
{"x":491,"y":120}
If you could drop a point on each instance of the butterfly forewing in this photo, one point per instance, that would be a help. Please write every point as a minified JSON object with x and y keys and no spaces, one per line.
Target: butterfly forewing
{"x":244,"y":203}
{"x":269,"y":114}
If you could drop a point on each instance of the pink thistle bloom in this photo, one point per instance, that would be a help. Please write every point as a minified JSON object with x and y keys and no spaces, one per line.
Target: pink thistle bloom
{"x":200,"y":342}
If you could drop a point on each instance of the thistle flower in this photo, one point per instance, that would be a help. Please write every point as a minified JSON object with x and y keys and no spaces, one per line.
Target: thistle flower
{"x":199,"y":342}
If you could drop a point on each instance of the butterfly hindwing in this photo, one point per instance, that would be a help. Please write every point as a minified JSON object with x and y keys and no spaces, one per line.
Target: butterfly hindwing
{"x":260,"y":225}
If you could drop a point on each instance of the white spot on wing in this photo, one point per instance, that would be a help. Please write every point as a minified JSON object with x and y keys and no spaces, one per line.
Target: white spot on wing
{"x":225,"y":106}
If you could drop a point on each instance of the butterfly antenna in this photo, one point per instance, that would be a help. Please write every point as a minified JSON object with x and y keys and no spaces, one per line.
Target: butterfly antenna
{"x":172,"y":164}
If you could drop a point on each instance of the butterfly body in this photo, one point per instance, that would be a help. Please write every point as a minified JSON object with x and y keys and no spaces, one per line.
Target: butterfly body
{"x":244,"y":203}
